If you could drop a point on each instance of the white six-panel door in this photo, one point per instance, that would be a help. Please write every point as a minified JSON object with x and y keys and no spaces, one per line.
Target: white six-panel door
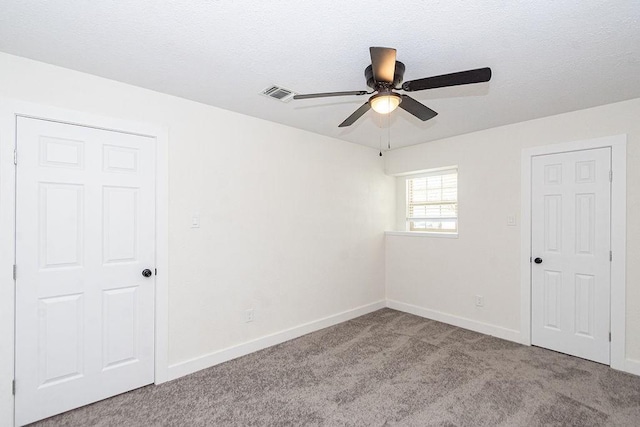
{"x":85,"y":231}
{"x":571,"y":240}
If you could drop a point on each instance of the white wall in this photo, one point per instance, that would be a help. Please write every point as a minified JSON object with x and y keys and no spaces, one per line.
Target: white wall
{"x":443,"y":275}
{"x":291,"y":222}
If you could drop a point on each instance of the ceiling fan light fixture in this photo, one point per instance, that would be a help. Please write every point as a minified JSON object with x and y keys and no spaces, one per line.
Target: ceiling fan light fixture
{"x":384,"y":103}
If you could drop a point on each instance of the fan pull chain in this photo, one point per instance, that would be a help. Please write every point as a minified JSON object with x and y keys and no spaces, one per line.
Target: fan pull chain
{"x":380,"y":134}
{"x":389,"y":131}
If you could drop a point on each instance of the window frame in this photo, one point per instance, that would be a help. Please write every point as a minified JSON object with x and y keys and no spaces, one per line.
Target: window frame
{"x":408,"y":220}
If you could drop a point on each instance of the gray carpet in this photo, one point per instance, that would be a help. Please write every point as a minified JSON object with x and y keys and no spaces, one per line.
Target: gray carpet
{"x":385,"y":368}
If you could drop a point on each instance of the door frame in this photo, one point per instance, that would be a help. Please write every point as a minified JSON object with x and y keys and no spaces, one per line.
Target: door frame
{"x":10,"y":109}
{"x":618,"y":145}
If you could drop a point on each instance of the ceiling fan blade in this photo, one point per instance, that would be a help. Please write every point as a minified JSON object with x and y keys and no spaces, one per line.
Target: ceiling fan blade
{"x":478,"y":75}
{"x":414,"y":107}
{"x":356,"y":115}
{"x":327,"y":94}
{"x":383,"y":61}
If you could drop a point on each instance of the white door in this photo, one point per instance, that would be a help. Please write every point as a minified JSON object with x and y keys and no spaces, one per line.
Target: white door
{"x":85,"y":230}
{"x":571,"y":240}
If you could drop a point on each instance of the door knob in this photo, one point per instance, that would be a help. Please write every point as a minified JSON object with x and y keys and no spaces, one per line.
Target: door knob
{"x":538,"y":260}
{"x":146,"y":272}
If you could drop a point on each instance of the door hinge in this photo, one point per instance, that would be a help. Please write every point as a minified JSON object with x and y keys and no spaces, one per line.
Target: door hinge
{"x":13,"y":387}
{"x":14,"y":271}
{"x":609,"y":336}
{"x":610,"y":255}
{"x":530,"y":259}
{"x":15,"y":156}
{"x":611,"y":176}
{"x":155,"y":271}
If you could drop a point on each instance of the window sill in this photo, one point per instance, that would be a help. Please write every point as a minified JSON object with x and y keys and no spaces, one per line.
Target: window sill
{"x":422,"y":234}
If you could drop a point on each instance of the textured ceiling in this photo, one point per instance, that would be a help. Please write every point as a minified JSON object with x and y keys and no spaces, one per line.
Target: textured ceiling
{"x":547,"y":57}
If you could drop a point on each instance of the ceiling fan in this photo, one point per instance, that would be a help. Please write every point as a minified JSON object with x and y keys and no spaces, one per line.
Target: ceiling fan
{"x":385,"y":74}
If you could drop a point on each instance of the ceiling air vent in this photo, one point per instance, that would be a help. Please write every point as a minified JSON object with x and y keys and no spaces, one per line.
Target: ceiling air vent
{"x":278,"y":93}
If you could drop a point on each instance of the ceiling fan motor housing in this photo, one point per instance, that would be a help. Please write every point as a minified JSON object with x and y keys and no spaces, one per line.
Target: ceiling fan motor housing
{"x":397,"y":77}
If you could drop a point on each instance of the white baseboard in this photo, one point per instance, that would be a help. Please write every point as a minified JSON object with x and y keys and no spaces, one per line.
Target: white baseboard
{"x":202,"y":362}
{"x":462,"y":322}
{"x":196,"y":364}
{"x":632,"y":366}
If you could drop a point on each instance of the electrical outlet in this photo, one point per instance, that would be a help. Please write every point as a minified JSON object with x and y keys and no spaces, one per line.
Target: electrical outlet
{"x":511,"y":220}
{"x":249,"y":315}
{"x":479,"y":301}
{"x":195,"y":220}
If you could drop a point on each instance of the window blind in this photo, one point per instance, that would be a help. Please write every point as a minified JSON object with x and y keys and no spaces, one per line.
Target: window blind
{"x":432,"y":202}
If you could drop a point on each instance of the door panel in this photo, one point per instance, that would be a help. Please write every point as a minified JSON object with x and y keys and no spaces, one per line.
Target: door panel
{"x":120,"y":326}
{"x":571,"y":200}
{"x":553,"y":223}
{"x":552,"y":286}
{"x":60,"y":339}
{"x":584,"y":304}
{"x":120,"y":212}
{"x":85,"y":230}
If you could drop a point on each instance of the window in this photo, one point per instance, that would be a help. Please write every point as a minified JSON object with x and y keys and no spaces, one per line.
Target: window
{"x":432,"y":201}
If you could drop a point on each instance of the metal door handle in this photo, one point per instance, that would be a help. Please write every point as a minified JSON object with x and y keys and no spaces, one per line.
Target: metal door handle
{"x":538,"y":260}
{"x":146,"y":272}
